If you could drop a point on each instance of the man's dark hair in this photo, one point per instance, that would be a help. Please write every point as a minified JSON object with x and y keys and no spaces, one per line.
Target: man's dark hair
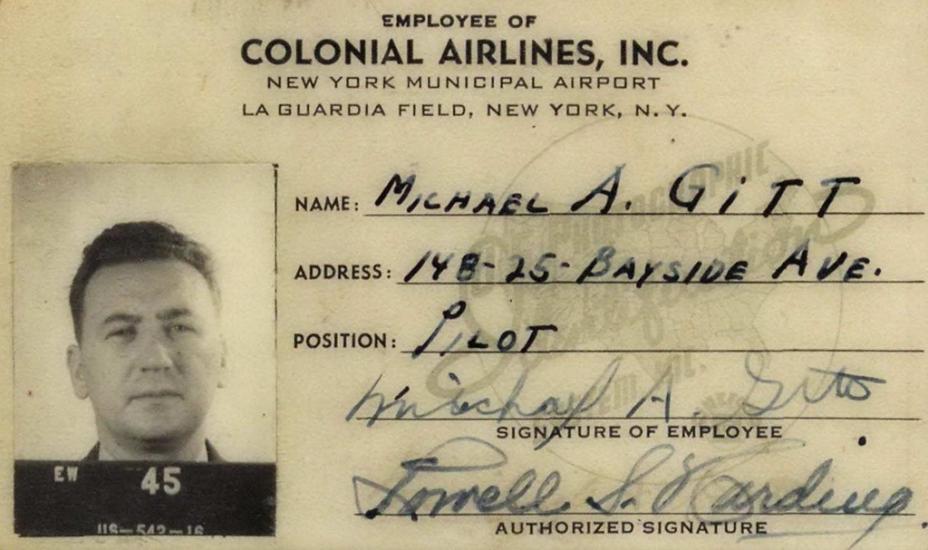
{"x":137,"y":242}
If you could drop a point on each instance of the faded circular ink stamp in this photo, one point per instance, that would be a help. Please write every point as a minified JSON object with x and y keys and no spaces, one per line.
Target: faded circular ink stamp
{"x":632,"y":259}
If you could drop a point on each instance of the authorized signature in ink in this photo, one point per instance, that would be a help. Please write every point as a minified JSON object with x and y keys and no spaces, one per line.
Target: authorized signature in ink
{"x":442,"y":482}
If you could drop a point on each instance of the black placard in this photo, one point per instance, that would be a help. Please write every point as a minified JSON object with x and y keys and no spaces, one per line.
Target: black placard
{"x":139,"y":498}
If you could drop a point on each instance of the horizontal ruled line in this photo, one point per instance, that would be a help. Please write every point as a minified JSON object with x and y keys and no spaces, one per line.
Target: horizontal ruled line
{"x":679,"y":350}
{"x":606,"y":514}
{"x":652,"y":214}
{"x":504,"y":283}
{"x":639,"y":418}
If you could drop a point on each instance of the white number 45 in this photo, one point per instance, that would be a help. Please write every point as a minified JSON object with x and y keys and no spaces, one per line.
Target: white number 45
{"x":170,"y":483}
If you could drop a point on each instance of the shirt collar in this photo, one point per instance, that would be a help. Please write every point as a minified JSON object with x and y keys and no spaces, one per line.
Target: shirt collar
{"x":202,"y":456}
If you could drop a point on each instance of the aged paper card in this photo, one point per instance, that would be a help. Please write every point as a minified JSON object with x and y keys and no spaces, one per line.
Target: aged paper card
{"x":306,"y":274}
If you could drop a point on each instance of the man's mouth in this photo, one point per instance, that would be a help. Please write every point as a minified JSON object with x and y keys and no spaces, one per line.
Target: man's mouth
{"x":155,"y":394}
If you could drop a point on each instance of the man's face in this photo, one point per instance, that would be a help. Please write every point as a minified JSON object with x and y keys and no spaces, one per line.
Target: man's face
{"x":150,"y":352}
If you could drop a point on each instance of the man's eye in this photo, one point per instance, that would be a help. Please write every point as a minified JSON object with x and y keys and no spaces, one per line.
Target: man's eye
{"x":124,"y":333}
{"x":180,"y":328}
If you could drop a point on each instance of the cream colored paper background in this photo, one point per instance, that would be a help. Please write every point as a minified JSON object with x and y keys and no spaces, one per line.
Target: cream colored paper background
{"x":833,"y":88}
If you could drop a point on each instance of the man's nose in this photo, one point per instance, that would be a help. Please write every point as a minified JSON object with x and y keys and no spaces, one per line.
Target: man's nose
{"x":155,"y":355}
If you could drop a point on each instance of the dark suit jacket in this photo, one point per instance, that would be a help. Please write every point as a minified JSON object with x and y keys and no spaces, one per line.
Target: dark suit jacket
{"x":212,"y":455}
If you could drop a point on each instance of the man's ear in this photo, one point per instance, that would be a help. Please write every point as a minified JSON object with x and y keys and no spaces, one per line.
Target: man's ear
{"x":221,"y":379}
{"x":76,"y":369}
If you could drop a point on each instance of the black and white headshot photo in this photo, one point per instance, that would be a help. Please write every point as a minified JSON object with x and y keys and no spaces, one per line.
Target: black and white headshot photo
{"x":144,"y":312}
{"x":149,"y":351}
